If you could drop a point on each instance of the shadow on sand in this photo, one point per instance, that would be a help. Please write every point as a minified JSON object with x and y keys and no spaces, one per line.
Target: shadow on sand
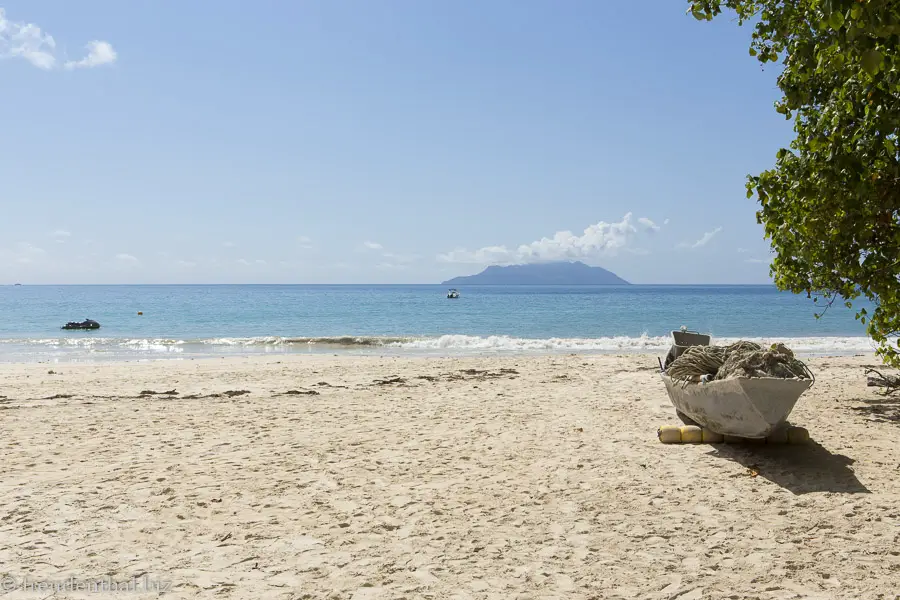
{"x":800,"y":469}
{"x":882,"y":408}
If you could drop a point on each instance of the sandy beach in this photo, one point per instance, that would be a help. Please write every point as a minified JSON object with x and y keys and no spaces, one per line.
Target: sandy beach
{"x":366,"y":477}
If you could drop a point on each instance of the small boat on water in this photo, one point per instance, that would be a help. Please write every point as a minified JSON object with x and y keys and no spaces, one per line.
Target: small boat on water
{"x":453,"y":294}
{"x":749,"y":407}
{"x":86,"y":324}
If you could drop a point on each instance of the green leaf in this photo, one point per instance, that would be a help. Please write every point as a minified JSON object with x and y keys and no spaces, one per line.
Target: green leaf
{"x":836,"y":20}
{"x":871,"y":61}
{"x":829,"y":198}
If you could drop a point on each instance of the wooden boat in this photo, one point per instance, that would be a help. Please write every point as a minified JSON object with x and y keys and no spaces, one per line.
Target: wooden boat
{"x":750,"y":407}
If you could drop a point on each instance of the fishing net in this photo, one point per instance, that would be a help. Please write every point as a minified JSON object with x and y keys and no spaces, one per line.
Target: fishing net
{"x":741,"y":359}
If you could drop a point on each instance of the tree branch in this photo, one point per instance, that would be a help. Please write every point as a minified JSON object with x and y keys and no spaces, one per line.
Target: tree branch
{"x":891,"y":383}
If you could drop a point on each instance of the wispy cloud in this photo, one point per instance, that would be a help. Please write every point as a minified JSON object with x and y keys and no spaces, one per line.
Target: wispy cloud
{"x":391,"y":260}
{"x":742,"y":250}
{"x":601,"y":239}
{"x":702,"y":241}
{"x":23,"y":253}
{"x":247,"y":263}
{"x":304,"y":241}
{"x":28,"y":42}
{"x":756,"y":260}
{"x":126,"y":262}
{"x":99,"y":53}
{"x":228,"y":244}
{"x":650,"y":225}
{"x":61,"y":235}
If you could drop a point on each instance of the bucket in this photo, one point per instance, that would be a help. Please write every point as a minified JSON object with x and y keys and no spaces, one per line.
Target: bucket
{"x":684,"y":339}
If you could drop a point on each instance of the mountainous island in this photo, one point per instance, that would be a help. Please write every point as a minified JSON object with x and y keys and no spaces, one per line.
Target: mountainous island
{"x":554,"y":273}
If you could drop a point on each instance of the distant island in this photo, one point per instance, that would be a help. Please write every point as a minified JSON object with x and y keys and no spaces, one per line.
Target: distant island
{"x":554,"y":273}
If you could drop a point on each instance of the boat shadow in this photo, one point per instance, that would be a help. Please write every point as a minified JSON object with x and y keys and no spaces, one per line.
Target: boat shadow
{"x":800,"y":469}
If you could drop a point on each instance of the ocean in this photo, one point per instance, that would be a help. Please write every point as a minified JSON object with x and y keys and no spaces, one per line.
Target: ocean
{"x":183,"y":321}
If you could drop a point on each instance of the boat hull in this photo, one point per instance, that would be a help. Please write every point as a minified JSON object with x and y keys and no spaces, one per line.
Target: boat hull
{"x":743,"y":406}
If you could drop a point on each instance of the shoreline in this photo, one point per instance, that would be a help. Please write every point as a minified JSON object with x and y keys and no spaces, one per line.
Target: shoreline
{"x":99,"y":349}
{"x":92,"y":360}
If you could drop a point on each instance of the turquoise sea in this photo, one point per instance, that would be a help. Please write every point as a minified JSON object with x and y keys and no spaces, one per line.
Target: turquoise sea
{"x":182,"y":321}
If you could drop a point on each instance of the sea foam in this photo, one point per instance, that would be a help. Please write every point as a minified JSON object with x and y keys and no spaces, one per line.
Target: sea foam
{"x":444,"y":344}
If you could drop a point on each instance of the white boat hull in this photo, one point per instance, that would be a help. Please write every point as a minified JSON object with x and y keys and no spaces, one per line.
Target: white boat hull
{"x":743,"y":407}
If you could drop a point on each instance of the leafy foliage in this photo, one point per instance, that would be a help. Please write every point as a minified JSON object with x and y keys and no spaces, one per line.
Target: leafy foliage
{"x":831,"y":204}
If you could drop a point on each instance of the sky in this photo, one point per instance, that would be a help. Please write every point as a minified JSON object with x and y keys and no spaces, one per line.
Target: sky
{"x":403,"y":141}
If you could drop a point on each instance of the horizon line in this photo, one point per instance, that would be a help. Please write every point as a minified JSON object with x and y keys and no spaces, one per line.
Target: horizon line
{"x":606,"y":285}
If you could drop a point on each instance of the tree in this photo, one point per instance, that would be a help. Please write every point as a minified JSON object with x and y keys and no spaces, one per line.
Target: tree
{"x":831,"y":204}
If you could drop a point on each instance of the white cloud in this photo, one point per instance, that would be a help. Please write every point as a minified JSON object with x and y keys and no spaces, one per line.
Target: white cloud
{"x":99,"y":53}
{"x":391,"y":258}
{"x":756,"y":260}
{"x":601,"y":239}
{"x":27,"y":248}
{"x":666,"y":222}
{"x":742,"y":250}
{"x":61,"y":235}
{"x":649,"y":224}
{"x":28,"y":42}
{"x":228,"y":244}
{"x":247,"y":263}
{"x":186,"y":264}
{"x":126,"y":258}
{"x":304,"y":241}
{"x":702,"y":241}
{"x":23,"y":253}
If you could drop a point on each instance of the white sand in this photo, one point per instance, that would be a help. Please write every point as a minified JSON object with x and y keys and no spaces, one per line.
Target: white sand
{"x":545,"y":482}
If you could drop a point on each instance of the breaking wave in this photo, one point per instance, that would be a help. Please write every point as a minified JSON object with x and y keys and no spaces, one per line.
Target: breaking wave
{"x":448,"y":344}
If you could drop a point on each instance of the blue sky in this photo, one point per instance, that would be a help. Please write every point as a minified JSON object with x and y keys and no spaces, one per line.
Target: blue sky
{"x":377,"y":142}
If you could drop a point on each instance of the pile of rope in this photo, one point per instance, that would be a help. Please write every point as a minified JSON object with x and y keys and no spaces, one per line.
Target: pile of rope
{"x":741,"y":359}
